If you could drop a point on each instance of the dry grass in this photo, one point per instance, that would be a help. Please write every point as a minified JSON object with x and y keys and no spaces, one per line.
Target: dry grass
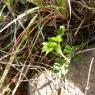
{"x":23,"y":28}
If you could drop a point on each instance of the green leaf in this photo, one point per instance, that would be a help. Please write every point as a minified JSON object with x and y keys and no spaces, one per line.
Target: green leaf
{"x":59,"y":38}
{"x":59,"y":60}
{"x":45,"y":43}
{"x":58,"y":49}
{"x":61,"y":70}
{"x":68,"y":49}
{"x":56,"y":67}
{"x":64,"y":69}
{"x":55,"y":39}
{"x":61,"y":67}
{"x":61,"y":30}
{"x":48,"y":46}
{"x":52,"y":39}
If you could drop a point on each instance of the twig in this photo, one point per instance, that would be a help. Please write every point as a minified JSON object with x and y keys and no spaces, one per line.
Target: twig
{"x":83,"y":5}
{"x":18,"y":83}
{"x":89,"y":73}
{"x":87,"y":50}
{"x":81,"y":23}
{"x":70,"y":9}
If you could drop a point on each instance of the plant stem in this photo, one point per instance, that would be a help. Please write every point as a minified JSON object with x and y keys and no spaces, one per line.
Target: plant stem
{"x":67,"y":59}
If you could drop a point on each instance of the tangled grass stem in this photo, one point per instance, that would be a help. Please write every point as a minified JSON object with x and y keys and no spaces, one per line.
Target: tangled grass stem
{"x":20,"y":17}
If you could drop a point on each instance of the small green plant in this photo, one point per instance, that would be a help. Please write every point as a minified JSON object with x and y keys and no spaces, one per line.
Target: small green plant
{"x":64,"y":56}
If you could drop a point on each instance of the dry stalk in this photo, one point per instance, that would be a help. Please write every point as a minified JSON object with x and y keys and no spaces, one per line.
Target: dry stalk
{"x":80,"y":25}
{"x":2,"y":80}
{"x":18,"y":83}
{"x":89,"y":73}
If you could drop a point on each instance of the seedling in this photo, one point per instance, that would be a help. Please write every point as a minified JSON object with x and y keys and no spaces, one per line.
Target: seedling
{"x":61,"y":64}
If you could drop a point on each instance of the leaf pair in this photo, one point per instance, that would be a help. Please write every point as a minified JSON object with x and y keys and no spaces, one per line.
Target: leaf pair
{"x":60,"y":67}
